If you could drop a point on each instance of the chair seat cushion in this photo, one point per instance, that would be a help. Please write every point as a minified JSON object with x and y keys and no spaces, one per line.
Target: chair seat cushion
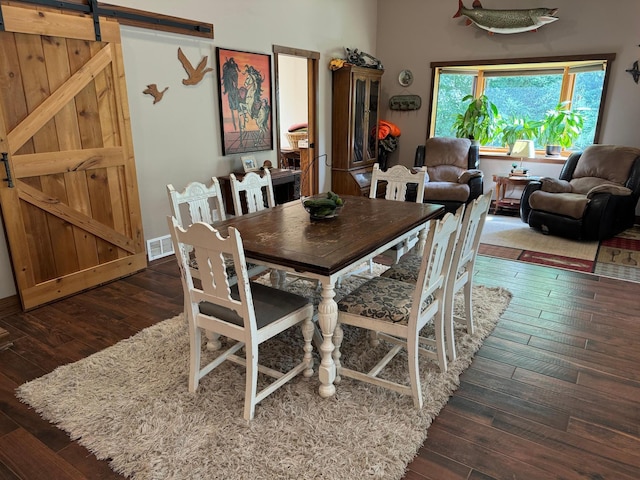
{"x":270,"y":304}
{"x":447,"y":191}
{"x":566,"y":204}
{"x":382,"y":299}
{"x":406,"y":270}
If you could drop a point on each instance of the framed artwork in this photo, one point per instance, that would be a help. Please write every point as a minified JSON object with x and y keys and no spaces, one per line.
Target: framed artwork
{"x":244,"y":93}
{"x":249,"y":163}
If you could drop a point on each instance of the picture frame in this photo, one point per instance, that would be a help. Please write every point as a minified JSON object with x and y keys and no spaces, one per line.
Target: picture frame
{"x":249,"y":163}
{"x":244,"y":97}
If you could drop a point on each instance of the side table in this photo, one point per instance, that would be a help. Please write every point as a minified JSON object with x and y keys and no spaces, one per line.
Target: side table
{"x":509,"y":190}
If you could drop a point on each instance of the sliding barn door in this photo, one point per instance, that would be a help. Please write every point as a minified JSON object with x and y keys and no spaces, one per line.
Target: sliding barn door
{"x":71,"y":209}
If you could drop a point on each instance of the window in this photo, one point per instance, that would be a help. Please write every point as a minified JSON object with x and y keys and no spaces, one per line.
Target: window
{"x":523,"y":88}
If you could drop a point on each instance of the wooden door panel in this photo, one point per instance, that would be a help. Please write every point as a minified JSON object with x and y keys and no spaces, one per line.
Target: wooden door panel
{"x":57,"y":61}
{"x":13,"y":101}
{"x":73,"y":218}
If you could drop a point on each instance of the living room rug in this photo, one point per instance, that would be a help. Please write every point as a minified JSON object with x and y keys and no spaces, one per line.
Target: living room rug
{"x":509,"y":237}
{"x":129,"y":404}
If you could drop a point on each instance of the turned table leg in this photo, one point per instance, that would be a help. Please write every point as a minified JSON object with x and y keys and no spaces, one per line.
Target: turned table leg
{"x":327,"y":320}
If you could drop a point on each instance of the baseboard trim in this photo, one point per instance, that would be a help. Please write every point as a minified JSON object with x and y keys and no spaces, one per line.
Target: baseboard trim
{"x":10,"y":305}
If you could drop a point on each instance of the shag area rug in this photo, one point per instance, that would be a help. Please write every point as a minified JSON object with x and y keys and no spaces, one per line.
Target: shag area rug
{"x":617,"y":257}
{"x":129,"y":404}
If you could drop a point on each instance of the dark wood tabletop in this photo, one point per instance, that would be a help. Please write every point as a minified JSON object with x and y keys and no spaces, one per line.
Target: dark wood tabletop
{"x":286,"y":235}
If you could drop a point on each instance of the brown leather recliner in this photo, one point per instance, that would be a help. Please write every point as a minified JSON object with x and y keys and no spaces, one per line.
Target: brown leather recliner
{"x":452,"y":168}
{"x":594,"y":198}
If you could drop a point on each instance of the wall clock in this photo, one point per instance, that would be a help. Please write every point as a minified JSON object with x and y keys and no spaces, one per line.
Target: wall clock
{"x":405,"y":78}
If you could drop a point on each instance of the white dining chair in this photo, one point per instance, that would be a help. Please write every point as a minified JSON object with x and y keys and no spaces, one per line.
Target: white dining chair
{"x":398,"y":178}
{"x":398,"y":311}
{"x":248,"y":313}
{"x":462,"y":268}
{"x":257,"y":191}
{"x":201,"y":203}
{"x":258,"y":195}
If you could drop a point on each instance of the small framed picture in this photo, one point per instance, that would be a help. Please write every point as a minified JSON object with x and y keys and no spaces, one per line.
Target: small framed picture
{"x":249,"y":163}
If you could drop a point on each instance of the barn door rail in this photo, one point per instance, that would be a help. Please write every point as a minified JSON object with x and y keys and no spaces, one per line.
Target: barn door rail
{"x":126,"y":16}
{"x":5,"y":160}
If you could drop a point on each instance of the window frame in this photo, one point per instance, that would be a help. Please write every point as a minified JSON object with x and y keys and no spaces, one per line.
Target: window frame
{"x":479,"y":67}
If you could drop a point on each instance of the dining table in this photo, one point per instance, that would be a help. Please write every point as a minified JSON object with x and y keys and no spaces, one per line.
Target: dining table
{"x":287,"y":239}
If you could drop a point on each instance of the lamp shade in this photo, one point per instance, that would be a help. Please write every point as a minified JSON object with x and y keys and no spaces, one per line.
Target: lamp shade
{"x":523,"y":149}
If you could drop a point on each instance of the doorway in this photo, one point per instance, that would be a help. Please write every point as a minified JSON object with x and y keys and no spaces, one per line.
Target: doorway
{"x":296,"y":82}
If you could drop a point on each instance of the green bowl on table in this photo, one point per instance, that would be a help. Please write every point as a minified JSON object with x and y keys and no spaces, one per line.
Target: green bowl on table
{"x":323,"y":206}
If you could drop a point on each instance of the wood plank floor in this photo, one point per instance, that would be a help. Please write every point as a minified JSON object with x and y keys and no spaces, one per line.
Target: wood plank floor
{"x":553,"y":393}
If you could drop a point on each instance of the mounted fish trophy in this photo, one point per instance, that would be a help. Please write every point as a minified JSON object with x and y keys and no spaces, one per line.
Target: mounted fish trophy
{"x":506,"y":21}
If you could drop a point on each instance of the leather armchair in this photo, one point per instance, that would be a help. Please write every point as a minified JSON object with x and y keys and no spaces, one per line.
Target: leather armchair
{"x":594,"y":198}
{"x":452,"y":170}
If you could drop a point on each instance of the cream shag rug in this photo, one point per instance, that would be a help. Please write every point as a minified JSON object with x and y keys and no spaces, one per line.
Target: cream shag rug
{"x":512,"y":232}
{"x":129,"y":404}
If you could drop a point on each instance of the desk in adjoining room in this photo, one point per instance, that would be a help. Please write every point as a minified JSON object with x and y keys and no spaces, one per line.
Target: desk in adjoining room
{"x":299,"y":159}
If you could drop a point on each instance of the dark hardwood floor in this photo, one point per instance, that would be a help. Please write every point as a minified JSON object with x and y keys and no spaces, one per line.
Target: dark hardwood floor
{"x":553,"y":393}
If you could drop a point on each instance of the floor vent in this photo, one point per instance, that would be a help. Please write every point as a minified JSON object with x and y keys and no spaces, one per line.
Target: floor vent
{"x":159,"y":247}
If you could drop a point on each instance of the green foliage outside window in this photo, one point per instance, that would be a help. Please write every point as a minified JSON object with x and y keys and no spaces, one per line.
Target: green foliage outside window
{"x":521,"y":98}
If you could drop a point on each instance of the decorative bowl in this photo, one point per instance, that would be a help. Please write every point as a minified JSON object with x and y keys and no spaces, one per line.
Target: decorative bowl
{"x":323,"y":206}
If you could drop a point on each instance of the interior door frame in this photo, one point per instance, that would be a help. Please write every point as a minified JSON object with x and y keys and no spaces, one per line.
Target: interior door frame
{"x":312,"y":102}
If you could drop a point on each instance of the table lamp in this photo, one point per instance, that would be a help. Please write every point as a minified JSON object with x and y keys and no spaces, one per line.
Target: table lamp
{"x":523,"y":149}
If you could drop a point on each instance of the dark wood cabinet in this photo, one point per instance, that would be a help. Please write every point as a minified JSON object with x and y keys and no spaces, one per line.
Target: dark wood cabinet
{"x":355,"y":115}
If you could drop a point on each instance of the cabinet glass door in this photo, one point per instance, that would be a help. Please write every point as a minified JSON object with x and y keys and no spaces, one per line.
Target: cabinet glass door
{"x":372,"y":130}
{"x":359,"y":115}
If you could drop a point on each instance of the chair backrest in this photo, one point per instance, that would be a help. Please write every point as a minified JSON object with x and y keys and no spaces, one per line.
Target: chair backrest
{"x":470,"y":231}
{"x":256,"y":189}
{"x":436,"y":260}
{"x":398,"y":178}
{"x":204,"y":203}
{"x":599,"y":164}
{"x":210,"y":250}
{"x":448,"y":151}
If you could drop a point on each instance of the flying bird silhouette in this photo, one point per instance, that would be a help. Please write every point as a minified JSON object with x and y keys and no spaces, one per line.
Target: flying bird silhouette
{"x":154,"y":92}
{"x":635,"y":71}
{"x":194,"y":75}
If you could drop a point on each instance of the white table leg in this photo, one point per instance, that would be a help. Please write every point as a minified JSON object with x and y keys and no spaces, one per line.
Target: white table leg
{"x":422,"y":240}
{"x":327,"y":320}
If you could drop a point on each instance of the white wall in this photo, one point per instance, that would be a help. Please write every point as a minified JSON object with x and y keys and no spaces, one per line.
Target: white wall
{"x":178,"y":139}
{"x":414,"y":33}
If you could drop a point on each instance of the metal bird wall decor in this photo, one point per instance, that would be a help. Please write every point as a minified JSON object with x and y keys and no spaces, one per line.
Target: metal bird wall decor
{"x":635,"y":71}
{"x":506,"y":21}
{"x":152,"y":90}
{"x":194,"y":75}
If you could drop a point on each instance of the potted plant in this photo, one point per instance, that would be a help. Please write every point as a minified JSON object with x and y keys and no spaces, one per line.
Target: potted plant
{"x":516,"y":128}
{"x":560,"y":127}
{"x":477,"y":123}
